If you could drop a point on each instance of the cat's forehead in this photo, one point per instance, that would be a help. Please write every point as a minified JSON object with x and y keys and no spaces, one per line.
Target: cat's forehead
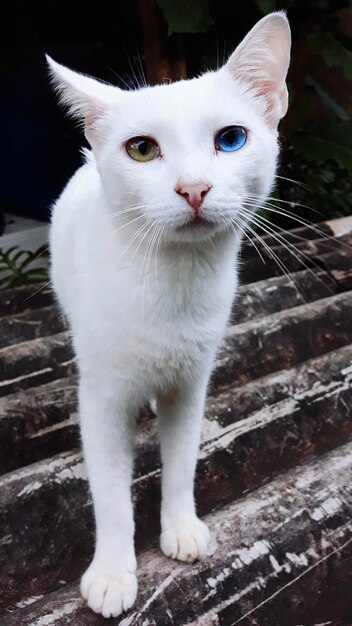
{"x":208,"y":98}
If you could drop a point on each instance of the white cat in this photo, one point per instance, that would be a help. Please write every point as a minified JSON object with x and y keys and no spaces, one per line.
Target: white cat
{"x":144,"y":244}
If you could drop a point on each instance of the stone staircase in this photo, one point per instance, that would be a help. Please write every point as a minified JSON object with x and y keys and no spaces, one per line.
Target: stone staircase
{"x":274,"y":477}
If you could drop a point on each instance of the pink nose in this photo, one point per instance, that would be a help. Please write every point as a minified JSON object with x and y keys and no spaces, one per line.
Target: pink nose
{"x":193,"y":193}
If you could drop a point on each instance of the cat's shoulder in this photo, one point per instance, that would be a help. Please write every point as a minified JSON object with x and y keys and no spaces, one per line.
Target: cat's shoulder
{"x":83,"y":186}
{"x":86,"y":177}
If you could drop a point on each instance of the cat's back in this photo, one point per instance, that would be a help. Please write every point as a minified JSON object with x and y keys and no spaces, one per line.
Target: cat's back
{"x":81,"y":193}
{"x":74,"y":220}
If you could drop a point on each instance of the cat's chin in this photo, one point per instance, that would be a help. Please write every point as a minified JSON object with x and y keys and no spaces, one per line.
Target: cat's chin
{"x":196,"y":224}
{"x":196,"y":230}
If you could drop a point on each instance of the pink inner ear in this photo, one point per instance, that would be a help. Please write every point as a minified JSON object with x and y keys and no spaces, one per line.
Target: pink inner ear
{"x":92,"y":114}
{"x":262,"y":61}
{"x":90,"y":119}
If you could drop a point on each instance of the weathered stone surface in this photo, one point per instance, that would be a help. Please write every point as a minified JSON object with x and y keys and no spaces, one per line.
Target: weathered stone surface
{"x":284,"y":339}
{"x":322,"y":232}
{"x":343,"y":278}
{"x":38,"y":422}
{"x":278,"y":259}
{"x":14,"y":301}
{"x":281,"y":293}
{"x":297,"y":334}
{"x":281,"y":395}
{"x":265,"y":548}
{"x":307,"y":411}
{"x":30,"y":325}
{"x":277,"y":294}
{"x":35,"y":362}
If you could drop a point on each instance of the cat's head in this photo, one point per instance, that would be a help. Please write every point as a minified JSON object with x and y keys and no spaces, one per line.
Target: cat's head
{"x":194,"y":157}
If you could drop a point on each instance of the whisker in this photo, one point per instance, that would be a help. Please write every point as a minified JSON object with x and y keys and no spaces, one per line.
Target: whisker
{"x":265,"y":224}
{"x":127,"y":224}
{"x":249,"y":238}
{"x":142,"y":266}
{"x":37,"y":291}
{"x":294,"y":235}
{"x":156,"y":258}
{"x":120,"y":78}
{"x":145,"y":258}
{"x":292,"y":180}
{"x":141,"y":69}
{"x":135,"y":77}
{"x":278,"y":233}
{"x":279,"y":200}
{"x":135,"y":236}
{"x":127,"y":210}
{"x":124,"y":212}
{"x":148,"y":267}
{"x":302,"y":222}
{"x":273,"y":254}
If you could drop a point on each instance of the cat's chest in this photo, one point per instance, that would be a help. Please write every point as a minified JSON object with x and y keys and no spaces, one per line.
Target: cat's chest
{"x":186,"y":300}
{"x":164,"y":320}
{"x":185,"y":318}
{"x":180,"y":345}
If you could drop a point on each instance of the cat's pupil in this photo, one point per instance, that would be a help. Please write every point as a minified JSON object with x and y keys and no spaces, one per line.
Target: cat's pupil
{"x":230,"y":136}
{"x":143,"y":147}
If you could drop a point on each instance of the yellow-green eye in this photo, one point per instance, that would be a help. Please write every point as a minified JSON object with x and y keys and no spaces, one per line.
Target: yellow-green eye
{"x":142,"y":148}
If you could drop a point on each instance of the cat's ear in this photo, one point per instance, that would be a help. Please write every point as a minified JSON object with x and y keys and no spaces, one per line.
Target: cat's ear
{"x":86,"y":99}
{"x":261,"y":60}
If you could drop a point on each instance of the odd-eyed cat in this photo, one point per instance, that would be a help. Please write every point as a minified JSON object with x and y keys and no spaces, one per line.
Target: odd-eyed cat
{"x":144,"y":242}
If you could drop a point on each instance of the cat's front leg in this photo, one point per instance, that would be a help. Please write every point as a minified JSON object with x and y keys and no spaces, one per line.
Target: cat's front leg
{"x":183,"y":535}
{"x":109,"y":585}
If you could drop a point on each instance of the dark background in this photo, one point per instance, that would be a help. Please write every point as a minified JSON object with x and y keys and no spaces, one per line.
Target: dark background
{"x":40,"y":146}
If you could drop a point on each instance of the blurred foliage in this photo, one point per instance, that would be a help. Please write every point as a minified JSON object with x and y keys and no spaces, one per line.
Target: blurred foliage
{"x":316,"y":134}
{"x":186,"y":16}
{"x":16,"y":266}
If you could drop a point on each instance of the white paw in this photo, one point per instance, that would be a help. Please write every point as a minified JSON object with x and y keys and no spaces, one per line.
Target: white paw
{"x":186,"y":541}
{"x":108,"y":595}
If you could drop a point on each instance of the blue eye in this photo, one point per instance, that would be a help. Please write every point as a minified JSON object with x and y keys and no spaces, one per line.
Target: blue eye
{"x":230,"y":139}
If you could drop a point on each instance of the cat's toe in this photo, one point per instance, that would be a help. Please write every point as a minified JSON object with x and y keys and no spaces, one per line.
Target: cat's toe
{"x":109,"y":595}
{"x":187,"y":541}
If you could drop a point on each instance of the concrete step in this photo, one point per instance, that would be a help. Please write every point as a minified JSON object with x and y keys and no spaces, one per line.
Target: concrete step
{"x":280,"y":397}
{"x":282,"y":552}
{"x":249,"y":436}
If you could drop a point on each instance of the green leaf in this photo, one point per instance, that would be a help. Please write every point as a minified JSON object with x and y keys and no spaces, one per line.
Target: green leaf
{"x":5,"y":280}
{"x":333,"y":51}
{"x":186,"y":16}
{"x":6,"y":255}
{"x":34,"y":256}
{"x":15,"y":264}
{"x":18,"y":255}
{"x":322,"y":149}
{"x":266,"y":6}
{"x":40,"y":271}
{"x":42,"y":251}
{"x":29,"y":259}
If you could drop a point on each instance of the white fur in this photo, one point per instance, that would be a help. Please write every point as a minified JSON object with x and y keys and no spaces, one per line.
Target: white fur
{"x":147,"y":310}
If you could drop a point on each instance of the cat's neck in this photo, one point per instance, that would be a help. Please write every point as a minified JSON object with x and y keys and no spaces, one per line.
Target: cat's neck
{"x":209,"y":251}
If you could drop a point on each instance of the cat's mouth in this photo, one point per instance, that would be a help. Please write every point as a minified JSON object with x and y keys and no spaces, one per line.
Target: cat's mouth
{"x":197,"y":223}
